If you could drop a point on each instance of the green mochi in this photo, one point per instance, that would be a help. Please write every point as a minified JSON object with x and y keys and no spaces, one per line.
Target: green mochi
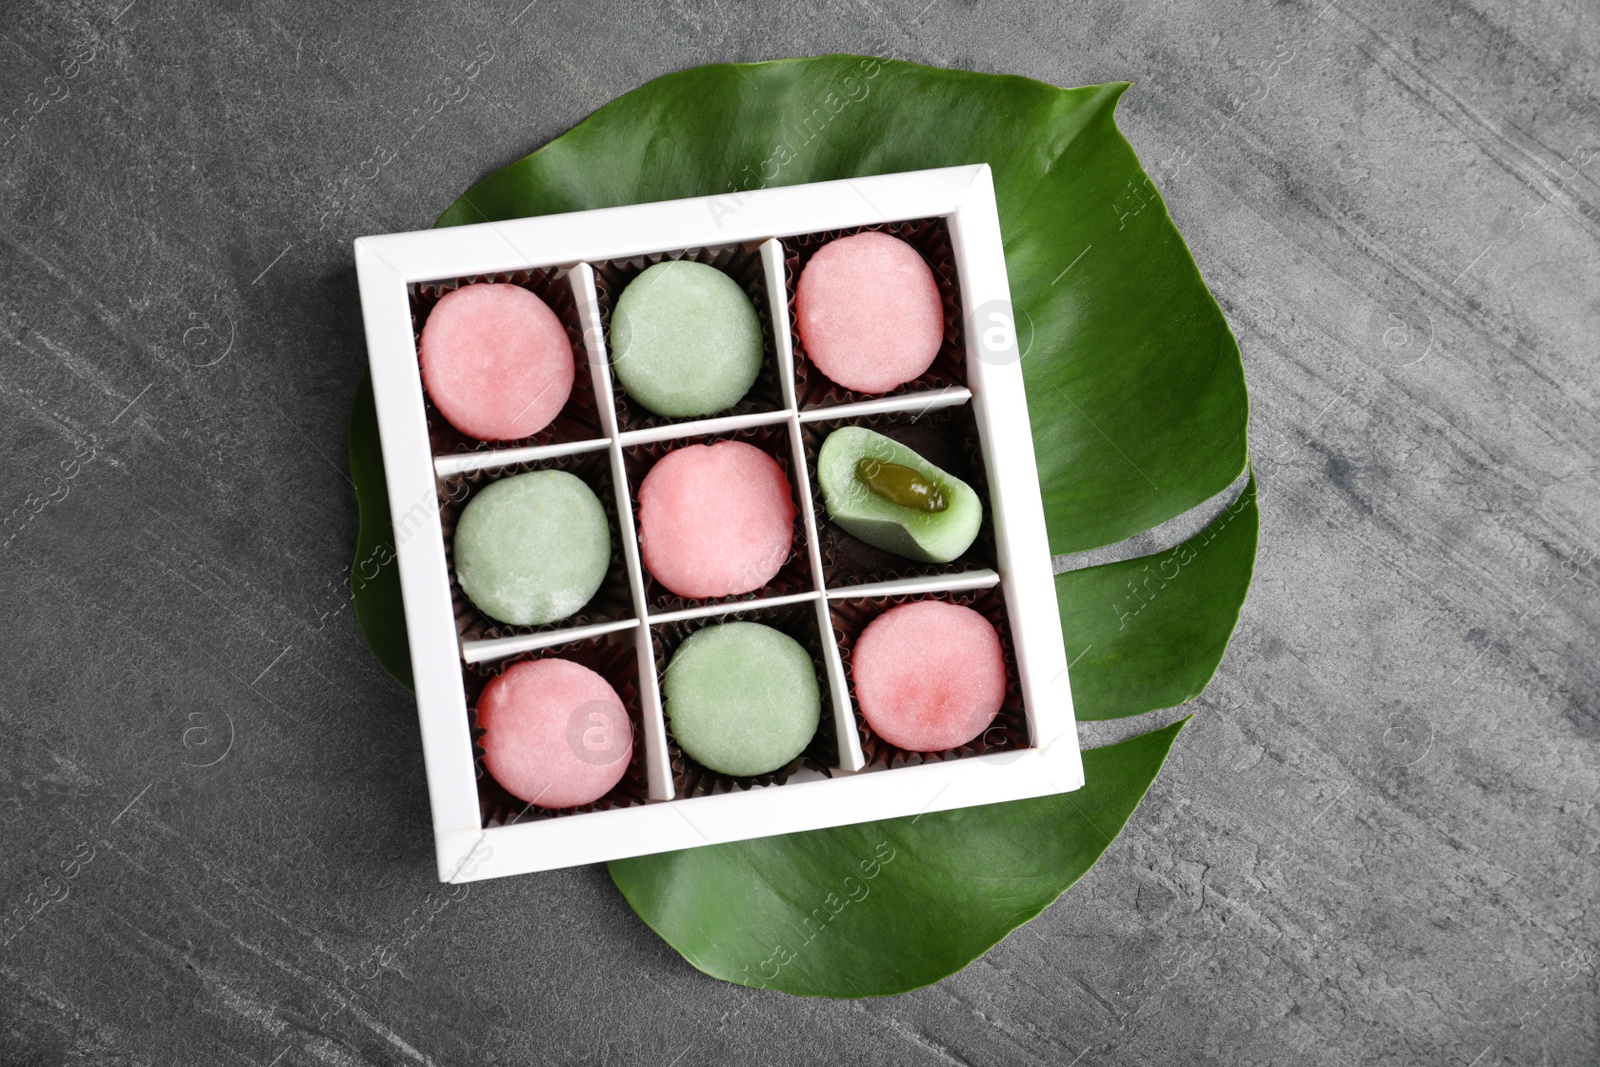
{"x":532,"y":548}
{"x":928,"y":536}
{"x":685,"y":340}
{"x":742,"y":698}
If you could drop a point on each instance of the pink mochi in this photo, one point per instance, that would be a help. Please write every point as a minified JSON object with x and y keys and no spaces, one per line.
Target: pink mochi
{"x":496,"y":361}
{"x":869,"y":312}
{"x":557,"y":733}
{"x":929,"y":675}
{"x":715,"y":520}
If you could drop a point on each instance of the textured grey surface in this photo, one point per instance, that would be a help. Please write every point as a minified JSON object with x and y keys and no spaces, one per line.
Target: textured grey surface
{"x":1376,"y":844}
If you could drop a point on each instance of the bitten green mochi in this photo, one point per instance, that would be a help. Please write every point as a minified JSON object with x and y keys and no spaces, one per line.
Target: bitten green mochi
{"x":928,"y":536}
{"x":742,"y":698}
{"x":685,"y":340}
{"x":532,"y":548}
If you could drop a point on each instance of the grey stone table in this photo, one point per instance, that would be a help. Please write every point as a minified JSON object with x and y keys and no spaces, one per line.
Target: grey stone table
{"x":1376,"y":843}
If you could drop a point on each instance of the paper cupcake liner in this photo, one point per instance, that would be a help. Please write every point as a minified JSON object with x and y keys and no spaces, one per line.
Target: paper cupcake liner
{"x":799,"y":621}
{"x":930,"y":237}
{"x":793,"y":577}
{"x":613,"y":658}
{"x":947,"y":438}
{"x":1008,"y":732}
{"x":579,"y":418}
{"x":742,"y":263}
{"x":612,"y":601}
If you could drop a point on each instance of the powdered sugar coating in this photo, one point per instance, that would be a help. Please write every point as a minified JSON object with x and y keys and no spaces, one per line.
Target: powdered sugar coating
{"x":557,"y":735}
{"x":715,"y":520}
{"x":929,"y":675}
{"x":742,"y":698}
{"x":532,"y":548}
{"x":869,"y":312}
{"x":496,"y":361}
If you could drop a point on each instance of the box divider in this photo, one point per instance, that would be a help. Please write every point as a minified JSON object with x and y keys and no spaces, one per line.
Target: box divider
{"x":960,"y":582}
{"x":658,"y":770}
{"x":588,"y":300}
{"x":503,"y":647}
{"x":844,"y":712}
{"x":448,"y":466}
{"x":657,"y":766}
{"x":729,"y":607}
{"x":802,"y":474}
{"x":777,"y":296}
{"x":929,"y":400}
{"x":849,"y":755}
{"x":723,"y":424}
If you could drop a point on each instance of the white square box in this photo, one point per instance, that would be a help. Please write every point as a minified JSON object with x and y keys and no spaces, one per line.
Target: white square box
{"x":569,"y":247}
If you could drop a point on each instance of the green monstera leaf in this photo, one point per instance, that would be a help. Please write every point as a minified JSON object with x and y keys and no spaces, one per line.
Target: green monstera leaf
{"x":884,"y":907}
{"x":1148,"y":633}
{"x":1138,"y":406}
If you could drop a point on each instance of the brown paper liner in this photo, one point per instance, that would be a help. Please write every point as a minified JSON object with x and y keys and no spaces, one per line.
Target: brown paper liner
{"x":614,"y":659}
{"x":742,"y":263}
{"x":793,"y":577}
{"x":930,"y":237}
{"x":611,"y":602}
{"x":1008,"y":732}
{"x":799,"y":621}
{"x":578,"y":420}
{"x":947,"y":438}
